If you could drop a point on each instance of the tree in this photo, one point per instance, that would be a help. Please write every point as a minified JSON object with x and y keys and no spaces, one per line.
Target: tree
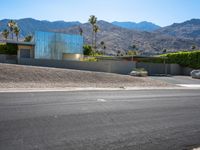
{"x":164,"y":50}
{"x":118,"y":52}
{"x":5,"y":34}
{"x":103,"y":45}
{"x":193,"y":47}
{"x":28,"y":38}
{"x":87,"y":50}
{"x":11,"y":25}
{"x":134,"y":46}
{"x":92,"y":20}
{"x":16,"y":30}
{"x":80,"y":31}
{"x":95,"y":30}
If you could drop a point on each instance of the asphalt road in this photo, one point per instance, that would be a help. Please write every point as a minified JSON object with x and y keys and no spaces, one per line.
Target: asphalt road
{"x":100,"y":120}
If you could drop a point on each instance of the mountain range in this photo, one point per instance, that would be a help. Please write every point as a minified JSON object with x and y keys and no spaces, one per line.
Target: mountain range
{"x":141,"y":26}
{"x":147,"y":39}
{"x":29,"y":25}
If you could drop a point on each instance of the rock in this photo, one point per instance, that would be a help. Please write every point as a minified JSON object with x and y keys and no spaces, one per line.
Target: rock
{"x":195,"y":74}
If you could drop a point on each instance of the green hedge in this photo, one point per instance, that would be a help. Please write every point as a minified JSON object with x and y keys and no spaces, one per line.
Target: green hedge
{"x":187,"y":59}
{"x":10,"y":49}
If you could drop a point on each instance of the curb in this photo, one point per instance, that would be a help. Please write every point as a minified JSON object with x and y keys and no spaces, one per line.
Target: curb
{"x":70,"y":89}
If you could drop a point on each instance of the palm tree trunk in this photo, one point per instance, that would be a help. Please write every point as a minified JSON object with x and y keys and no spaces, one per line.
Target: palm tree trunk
{"x":95,"y":40}
{"x":92,"y":38}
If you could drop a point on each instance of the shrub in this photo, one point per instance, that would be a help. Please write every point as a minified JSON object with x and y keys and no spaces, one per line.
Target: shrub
{"x":87,"y":50}
{"x":10,"y":49}
{"x":186,"y":59}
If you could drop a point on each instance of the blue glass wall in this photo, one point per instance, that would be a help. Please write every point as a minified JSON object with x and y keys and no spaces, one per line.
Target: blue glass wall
{"x":50,"y":45}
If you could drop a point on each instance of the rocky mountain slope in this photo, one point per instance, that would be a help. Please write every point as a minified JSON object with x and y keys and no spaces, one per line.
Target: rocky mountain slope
{"x":187,"y":30}
{"x":142,"y":26}
{"x":121,"y":39}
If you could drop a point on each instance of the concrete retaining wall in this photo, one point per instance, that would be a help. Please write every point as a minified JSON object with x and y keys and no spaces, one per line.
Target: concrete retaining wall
{"x":120,"y":67}
{"x":11,"y":59}
{"x":172,"y":69}
{"x":153,"y":68}
{"x":186,"y":71}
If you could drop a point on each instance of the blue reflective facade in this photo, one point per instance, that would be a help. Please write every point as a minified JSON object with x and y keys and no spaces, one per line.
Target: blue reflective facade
{"x":50,"y":45}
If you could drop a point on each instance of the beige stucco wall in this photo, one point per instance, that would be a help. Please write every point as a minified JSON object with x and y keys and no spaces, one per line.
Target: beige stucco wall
{"x":72,"y":56}
{"x":30,"y":47}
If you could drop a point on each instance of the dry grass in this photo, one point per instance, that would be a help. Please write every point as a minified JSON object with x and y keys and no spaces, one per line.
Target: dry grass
{"x":18,"y":76}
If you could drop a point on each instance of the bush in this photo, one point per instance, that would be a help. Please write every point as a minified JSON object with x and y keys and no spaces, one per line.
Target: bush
{"x":187,"y":59}
{"x":87,"y":50}
{"x":10,"y":49}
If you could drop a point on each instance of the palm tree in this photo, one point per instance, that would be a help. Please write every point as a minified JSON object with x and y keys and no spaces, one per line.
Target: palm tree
{"x":92,"y":20}
{"x":5,"y":34}
{"x":95,"y":30}
{"x":11,"y":25}
{"x":16,"y":30}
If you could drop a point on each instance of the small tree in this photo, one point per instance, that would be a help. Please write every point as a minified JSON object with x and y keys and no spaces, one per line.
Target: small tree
{"x":193,"y":47}
{"x":164,"y":50}
{"x":103,"y":45}
{"x":118,"y":52}
{"x":28,"y":38}
{"x":87,"y":50}
{"x":80,"y":31}
{"x":5,"y":34}
{"x":133,"y":46}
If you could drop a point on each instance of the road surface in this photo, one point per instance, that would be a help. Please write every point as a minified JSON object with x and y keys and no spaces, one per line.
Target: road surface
{"x":100,"y":120}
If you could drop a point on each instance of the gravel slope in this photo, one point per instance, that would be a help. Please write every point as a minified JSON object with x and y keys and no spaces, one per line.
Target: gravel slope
{"x":18,"y":76}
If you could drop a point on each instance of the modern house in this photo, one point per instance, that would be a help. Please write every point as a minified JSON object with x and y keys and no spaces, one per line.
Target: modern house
{"x":51,"y":45}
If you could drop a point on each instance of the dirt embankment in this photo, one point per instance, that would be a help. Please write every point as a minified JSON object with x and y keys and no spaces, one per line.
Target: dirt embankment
{"x":18,"y":76}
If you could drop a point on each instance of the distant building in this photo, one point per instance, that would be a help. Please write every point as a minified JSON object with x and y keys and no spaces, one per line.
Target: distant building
{"x":51,"y":45}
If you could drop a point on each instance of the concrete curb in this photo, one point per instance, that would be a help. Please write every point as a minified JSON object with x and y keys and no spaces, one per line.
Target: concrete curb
{"x":16,"y":90}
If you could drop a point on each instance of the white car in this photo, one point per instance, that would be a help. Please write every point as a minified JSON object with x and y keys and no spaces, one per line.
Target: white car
{"x":195,"y":74}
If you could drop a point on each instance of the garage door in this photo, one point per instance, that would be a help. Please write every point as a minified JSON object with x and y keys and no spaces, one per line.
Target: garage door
{"x":25,"y":53}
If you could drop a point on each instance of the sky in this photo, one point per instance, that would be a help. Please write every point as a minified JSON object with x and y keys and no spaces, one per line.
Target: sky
{"x":160,"y":12}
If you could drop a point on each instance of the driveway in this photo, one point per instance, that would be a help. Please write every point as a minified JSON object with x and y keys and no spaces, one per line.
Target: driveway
{"x":185,"y":81}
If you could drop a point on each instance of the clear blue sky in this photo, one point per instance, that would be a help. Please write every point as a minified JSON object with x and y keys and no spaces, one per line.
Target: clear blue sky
{"x":161,"y":12}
